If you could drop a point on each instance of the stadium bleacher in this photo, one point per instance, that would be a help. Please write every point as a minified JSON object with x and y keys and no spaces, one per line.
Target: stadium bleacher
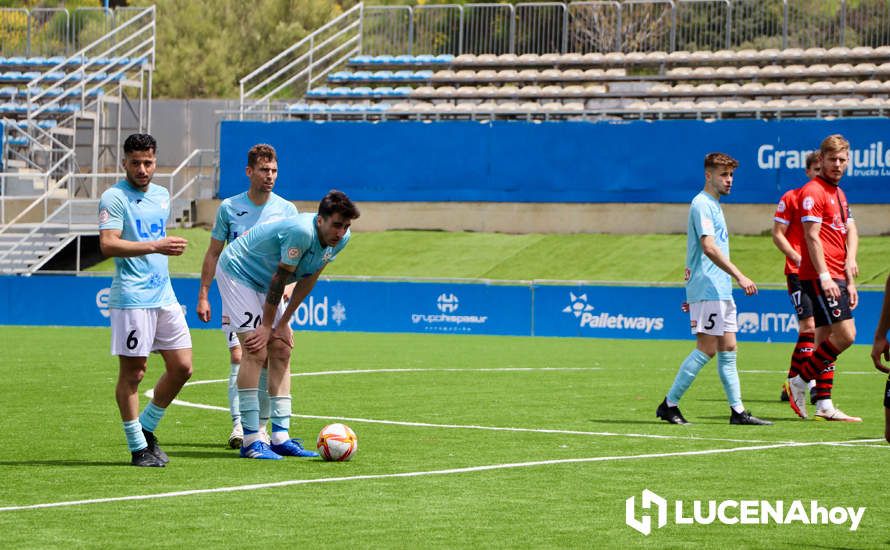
{"x":724,"y":83}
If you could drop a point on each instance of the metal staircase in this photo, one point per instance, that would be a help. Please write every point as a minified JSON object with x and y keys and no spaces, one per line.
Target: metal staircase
{"x":46,"y":199}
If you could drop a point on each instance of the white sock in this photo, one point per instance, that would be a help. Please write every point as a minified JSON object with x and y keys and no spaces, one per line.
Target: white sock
{"x":279,"y":437}
{"x":824,"y":405}
{"x":740,"y":408}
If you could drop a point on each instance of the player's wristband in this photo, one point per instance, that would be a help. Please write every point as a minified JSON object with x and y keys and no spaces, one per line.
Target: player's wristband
{"x":825,"y":277}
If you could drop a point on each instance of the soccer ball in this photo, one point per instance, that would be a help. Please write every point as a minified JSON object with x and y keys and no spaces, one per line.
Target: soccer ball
{"x":337,"y":442}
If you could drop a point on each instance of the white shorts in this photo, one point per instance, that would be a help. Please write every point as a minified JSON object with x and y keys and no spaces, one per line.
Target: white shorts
{"x":242,"y":307}
{"x":138,"y":332}
{"x":232,"y":339}
{"x":714,"y":317}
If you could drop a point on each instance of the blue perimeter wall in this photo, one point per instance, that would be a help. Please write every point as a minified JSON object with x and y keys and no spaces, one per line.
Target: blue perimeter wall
{"x":451,"y":308}
{"x":508,"y":161}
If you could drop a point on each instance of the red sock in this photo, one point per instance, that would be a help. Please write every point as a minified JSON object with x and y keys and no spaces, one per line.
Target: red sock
{"x":823,"y":360}
{"x":803,"y":349}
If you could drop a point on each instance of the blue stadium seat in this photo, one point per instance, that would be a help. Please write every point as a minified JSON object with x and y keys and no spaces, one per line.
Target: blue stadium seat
{"x":444,"y":58}
{"x":377,"y":107}
{"x":9,"y":91}
{"x":55,"y":60}
{"x":340,"y":91}
{"x":54,"y":75}
{"x":402,"y":91}
{"x":361,"y":76}
{"x":340,"y":76}
{"x":37,"y":61}
{"x":383,"y":91}
{"x":321,"y":91}
{"x":403,"y":59}
{"x":17,"y":141}
{"x":361,"y":59}
{"x":382,"y":75}
{"x":298,"y":108}
{"x":403,"y":75}
{"x":31,"y":75}
{"x":318,"y":108}
{"x":362,"y":91}
{"x":45,"y":124}
{"x":16,"y":61}
{"x":424,"y":59}
{"x":423,"y":75}
{"x":382,"y":60}
{"x":10,"y":76}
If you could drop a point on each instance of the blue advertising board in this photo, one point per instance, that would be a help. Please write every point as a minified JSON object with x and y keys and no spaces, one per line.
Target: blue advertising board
{"x":567,"y":161}
{"x":442,"y":308}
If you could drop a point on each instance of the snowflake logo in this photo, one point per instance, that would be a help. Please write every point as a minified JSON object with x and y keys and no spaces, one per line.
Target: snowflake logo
{"x":578,"y":306}
{"x":338,"y":313}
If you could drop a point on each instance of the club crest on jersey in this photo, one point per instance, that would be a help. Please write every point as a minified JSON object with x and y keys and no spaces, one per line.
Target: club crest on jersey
{"x":808,"y":203}
{"x":104,"y":216}
{"x":293,"y":253}
{"x":781,"y":207}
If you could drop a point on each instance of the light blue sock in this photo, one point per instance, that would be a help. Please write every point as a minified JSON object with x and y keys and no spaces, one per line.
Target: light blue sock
{"x":250,"y":410}
{"x":151,"y":415}
{"x":281,"y":409}
{"x":135,"y":437}
{"x":234,"y":407}
{"x":730,"y":378}
{"x":689,"y":369}
{"x":263,"y":394}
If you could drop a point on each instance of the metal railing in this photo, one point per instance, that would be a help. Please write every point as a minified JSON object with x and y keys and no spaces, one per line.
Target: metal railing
{"x":55,"y":31}
{"x":625,"y":25}
{"x":79,"y":215}
{"x":292,"y":72}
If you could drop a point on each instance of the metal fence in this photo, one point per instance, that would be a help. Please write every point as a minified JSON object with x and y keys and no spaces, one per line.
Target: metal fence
{"x":55,"y":31}
{"x":625,"y":25}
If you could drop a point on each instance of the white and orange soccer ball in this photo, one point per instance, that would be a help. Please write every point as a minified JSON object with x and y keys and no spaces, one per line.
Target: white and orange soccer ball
{"x":337,"y":442}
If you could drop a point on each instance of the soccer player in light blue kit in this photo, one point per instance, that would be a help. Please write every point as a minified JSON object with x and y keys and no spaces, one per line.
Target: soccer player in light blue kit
{"x":145,"y":315}
{"x":235,"y":216}
{"x":712,"y":311}
{"x":251,"y":275}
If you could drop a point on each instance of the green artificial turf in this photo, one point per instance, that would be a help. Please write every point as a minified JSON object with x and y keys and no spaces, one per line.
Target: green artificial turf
{"x":576,"y":257}
{"x":464,"y":442}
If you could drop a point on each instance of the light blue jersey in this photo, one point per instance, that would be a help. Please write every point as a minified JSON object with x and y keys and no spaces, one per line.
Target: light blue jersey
{"x":704,"y":280}
{"x":139,"y":281}
{"x":238,"y":214}
{"x":253,"y":258}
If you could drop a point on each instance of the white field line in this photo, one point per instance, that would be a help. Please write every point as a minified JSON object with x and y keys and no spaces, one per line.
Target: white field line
{"x":490,"y":467}
{"x":869,"y":372}
{"x":375,"y":371}
{"x":487,"y":428}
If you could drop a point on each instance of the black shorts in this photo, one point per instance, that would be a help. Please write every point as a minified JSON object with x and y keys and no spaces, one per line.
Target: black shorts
{"x":801,"y":302}
{"x":887,"y":394}
{"x":825,"y":311}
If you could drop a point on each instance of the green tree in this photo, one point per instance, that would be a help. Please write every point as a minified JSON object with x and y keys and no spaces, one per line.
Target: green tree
{"x":205,"y":46}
